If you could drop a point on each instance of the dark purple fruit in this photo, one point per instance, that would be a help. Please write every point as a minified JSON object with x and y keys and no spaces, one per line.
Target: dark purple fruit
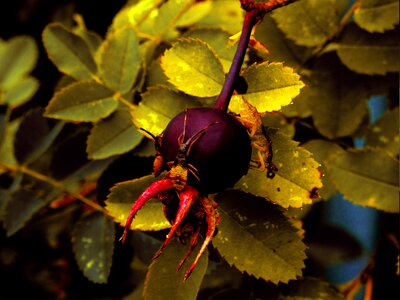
{"x":221,"y":154}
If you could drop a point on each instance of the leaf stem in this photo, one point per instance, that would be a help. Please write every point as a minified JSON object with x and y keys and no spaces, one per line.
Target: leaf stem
{"x":58,"y":185}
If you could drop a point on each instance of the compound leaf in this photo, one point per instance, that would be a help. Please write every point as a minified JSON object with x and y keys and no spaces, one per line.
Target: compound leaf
{"x":193,"y":68}
{"x":113,"y":135}
{"x":163,"y":281}
{"x":69,"y":52}
{"x":119,"y":60}
{"x":158,"y":106}
{"x":276,"y":253}
{"x":119,"y":203}
{"x":82,"y":101}
{"x":368,"y":178}
{"x":296,"y":181}
{"x":309,"y":23}
{"x":377,"y":15}
{"x":270,"y":86}
{"x":93,"y":245}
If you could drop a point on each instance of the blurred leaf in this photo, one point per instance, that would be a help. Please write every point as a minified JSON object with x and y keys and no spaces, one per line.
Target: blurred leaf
{"x":34,"y":137}
{"x":120,"y":61}
{"x":18,"y":57}
{"x":309,"y":22}
{"x":276,"y":253}
{"x":82,"y":101}
{"x":270,"y":86}
{"x":296,"y":181}
{"x":369,"y":53}
{"x":113,"y":135}
{"x":368,"y":178}
{"x":385,"y":133}
{"x":193,"y":67}
{"x":155,"y":75}
{"x":321,"y":151}
{"x":195,"y":13}
{"x":7,"y":145}
{"x":308,"y":288}
{"x":163,"y":281}
{"x":377,"y":15}
{"x":123,"y":195}
{"x":280,"y":122}
{"x":92,"y":39}
{"x":158,"y":106}
{"x":21,"y":92}
{"x":93,"y":245}
{"x":218,"y":40}
{"x":69,"y":52}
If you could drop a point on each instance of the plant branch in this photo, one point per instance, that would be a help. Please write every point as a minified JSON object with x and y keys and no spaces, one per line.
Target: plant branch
{"x":254,"y":13}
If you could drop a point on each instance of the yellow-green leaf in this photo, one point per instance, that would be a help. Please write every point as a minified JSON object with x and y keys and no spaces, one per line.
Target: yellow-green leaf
{"x":119,"y":60}
{"x":18,"y":57}
{"x":193,"y":68}
{"x":119,"y":203}
{"x":158,"y":106}
{"x":270,"y":86}
{"x":93,"y":245}
{"x":113,"y":135}
{"x":163,"y":281}
{"x":377,"y":15}
{"x":69,"y":52}
{"x":296,"y":181}
{"x":21,"y":92}
{"x":256,"y":237}
{"x":82,"y":101}
{"x":195,"y":13}
{"x":368,"y":178}
{"x":309,"y":22}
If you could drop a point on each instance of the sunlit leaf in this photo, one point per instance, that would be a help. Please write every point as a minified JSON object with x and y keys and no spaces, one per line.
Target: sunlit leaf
{"x":308,"y":288}
{"x":158,"y":106}
{"x":369,"y":53}
{"x":83,"y":101}
{"x":257,"y":238}
{"x":113,"y":135}
{"x":377,"y":15}
{"x":119,"y":60}
{"x":69,"y":52}
{"x":309,"y":23}
{"x":163,"y":281}
{"x":270,"y":86}
{"x":195,"y":13}
{"x":17,"y":58}
{"x":21,"y":92}
{"x":385,"y":133}
{"x":191,"y":59}
{"x":93,"y":245}
{"x":296,"y":181}
{"x":121,"y":199}
{"x":218,"y":40}
{"x":368,"y":178}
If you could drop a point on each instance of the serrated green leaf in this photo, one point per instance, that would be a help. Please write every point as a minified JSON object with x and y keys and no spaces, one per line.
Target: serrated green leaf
{"x":155,"y":75}
{"x":119,"y":203}
{"x":69,"y":52}
{"x":193,"y":68}
{"x":119,"y":60}
{"x":384,"y":133}
{"x":369,"y":53}
{"x":276,"y":253}
{"x":163,"y":281}
{"x":377,"y":15}
{"x":158,"y":106}
{"x":368,"y":178}
{"x":218,"y":40}
{"x":270,"y":86}
{"x":82,"y":101}
{"x":309,"y":22}
{"x":18,"y":57}
{"x":21,"y":92}
{"x":309,"y":288}
{"x":92,"y":39}
{"x":321,"y":151}
{"x":113,"y":135}
{"x":296,"y":180}
{"x":93,"y":245}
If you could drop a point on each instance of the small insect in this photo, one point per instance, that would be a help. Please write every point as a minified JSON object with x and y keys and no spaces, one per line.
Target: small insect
{"x":158,"y":160}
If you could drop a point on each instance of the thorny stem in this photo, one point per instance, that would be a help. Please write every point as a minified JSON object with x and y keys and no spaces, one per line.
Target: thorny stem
{"x":254,"y":13}
{"x":52,"y":182}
